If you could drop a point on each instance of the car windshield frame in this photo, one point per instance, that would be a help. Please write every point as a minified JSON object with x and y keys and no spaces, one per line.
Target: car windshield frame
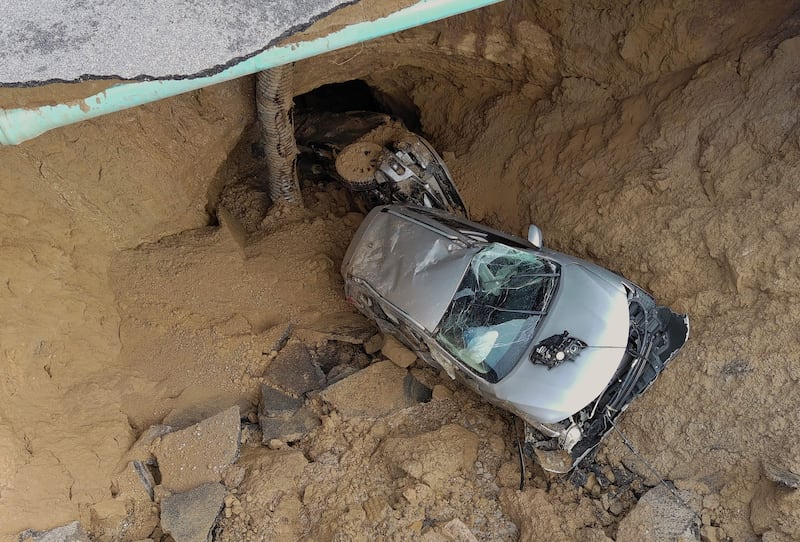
{"x":493,"y":316}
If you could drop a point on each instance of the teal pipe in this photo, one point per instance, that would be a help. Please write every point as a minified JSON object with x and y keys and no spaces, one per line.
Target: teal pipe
{"x":18,"y":125}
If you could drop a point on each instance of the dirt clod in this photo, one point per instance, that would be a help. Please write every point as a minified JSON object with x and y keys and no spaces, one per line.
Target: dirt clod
{"x":397,"y":352}
{"x":659,"y":516}
{"x":373,"y":392}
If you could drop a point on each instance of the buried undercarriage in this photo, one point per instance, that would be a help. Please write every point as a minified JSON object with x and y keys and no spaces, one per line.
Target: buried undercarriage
{"x":377,"y":158}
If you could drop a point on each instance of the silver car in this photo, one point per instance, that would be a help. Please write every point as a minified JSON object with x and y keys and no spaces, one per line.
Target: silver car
{"x":562,"y":343}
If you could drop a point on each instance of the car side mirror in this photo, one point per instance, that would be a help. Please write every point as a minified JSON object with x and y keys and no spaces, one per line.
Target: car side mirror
{"x":535,"y":236}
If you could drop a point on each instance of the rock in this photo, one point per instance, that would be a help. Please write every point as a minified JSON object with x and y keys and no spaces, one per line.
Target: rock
{"x":340,"y":372}
{"x":349,"y":327}
{"x":436,"y":456}
{"x":591,"y":483}
{"x":420,"y":493}
{"x":233,"y":477}
{"x":711,"y":501}
{"x":781,"y":475}
{"x":194,"y":410}
{"x":617,"y":507}
{"x":200,"y":453}
{"x":397,"y":352}
{"x":660,"y":516}
{"x":272,"y":473}
{"x":134,"y":489}
{"x":375,"y":508}
{"x":190,"y":516}
{"x":592,"y":535}
{"x":274,"y":402}
{"x":373,"y":344}
{"x":288,"y":428}
{"x":456,"y":531}
{"x":294,"y":371}
{"x":372,"y":392}
{"x":137,"y":479}
{"x":508,"y":475}
{"x":441,"y":393}
{"x":141,"y":449}
{"x":432,"y":536}
{"x":72,"y":532}
{"x":709,"y":534}
{"x":775,"y":536}
{"x":283,"y":417}
{"x":775,"y":508}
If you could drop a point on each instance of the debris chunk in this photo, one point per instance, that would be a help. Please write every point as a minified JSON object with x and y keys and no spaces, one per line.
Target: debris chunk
{"x":294,"y":370}
{"x":274,"y":402}
{"x":135,"y":492}
{"x":376,"y":508}
{"x":373,"y":344}
{"x":397,"y":352}
{"x":775,"y":508}
{"x":72,"y":532}
{"x":660,"y":516}
{"x":441,"y":393}
{"x":283,"y":417}
{"x":781,"y":476}
{"x":346,"y":326}
{"x":436,"y":456}
{"x":374,"y":392}
{"x":141,"y":449}
{"x":200,"y":453}
{"x":189,"y":516}
{"x":456,"y":531}
{"x":288,"y":429}
{"x":233,"y":477}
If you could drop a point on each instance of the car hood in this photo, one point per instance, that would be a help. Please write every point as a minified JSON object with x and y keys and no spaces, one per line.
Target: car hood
{"x":414,"y":268}
{"x":592,"y":309}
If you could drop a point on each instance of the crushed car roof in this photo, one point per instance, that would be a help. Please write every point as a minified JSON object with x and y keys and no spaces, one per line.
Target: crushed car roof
{"x":69,"y":40}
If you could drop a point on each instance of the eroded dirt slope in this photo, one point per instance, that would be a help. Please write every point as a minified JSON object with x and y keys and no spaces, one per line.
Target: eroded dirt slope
{"x":661,"y":141}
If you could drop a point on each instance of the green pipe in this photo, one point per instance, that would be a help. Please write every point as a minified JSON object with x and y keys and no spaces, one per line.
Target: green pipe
{"x":18,"y":125}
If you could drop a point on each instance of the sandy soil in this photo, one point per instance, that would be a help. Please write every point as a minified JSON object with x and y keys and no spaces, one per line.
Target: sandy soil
{"x":661,"y":141}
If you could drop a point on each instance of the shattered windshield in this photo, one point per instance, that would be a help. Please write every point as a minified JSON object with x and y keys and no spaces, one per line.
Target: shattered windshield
{"x":494,"y":313}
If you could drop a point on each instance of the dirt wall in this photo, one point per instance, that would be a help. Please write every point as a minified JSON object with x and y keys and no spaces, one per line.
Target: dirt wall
{"x":72,"y":198}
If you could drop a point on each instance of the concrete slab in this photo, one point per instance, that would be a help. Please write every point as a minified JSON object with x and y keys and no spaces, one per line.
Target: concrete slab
{"x":69,"y":40}
{"x":189,"y":517}
{"x":200,"y":453}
